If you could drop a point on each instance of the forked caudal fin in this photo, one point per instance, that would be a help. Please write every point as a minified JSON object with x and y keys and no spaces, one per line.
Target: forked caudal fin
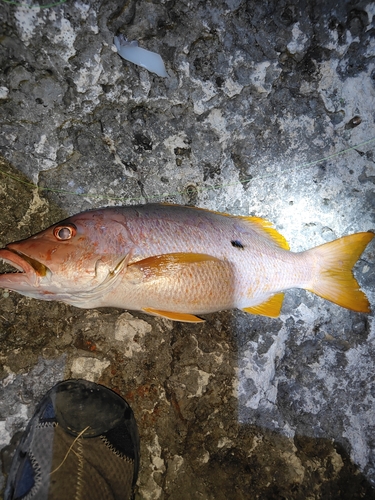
{"x":335,"y":280}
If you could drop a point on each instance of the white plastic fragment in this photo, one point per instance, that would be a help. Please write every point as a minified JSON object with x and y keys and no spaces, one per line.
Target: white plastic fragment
{"x":142,"y":57}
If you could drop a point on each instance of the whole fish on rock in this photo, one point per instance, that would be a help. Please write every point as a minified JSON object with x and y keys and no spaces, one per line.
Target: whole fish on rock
{"x":178,"y":262}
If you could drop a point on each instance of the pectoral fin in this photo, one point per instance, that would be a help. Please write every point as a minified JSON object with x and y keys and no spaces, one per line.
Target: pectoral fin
{"x":160,"y":265}
{"x":187,"y":318}
{"x":271,"y":307}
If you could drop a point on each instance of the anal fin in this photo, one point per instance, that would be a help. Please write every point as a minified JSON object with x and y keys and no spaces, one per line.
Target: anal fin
{"x":186,"y":318}
{"x":271,"y":307}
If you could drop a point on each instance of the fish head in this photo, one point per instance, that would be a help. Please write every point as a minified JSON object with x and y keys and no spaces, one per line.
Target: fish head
{"x":71,"y":257}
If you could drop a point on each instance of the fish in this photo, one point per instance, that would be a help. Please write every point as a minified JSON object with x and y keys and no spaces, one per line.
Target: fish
{"x":179,"y":262}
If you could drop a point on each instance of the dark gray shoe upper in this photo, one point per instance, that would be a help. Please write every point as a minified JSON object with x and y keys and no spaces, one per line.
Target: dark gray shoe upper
{"x":82,"y":436}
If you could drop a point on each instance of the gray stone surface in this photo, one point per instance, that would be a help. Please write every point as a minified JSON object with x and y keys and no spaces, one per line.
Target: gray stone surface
{"x":268,"y":109}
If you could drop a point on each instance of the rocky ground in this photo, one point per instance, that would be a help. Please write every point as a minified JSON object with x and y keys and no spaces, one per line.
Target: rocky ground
{"x":268,"y":109}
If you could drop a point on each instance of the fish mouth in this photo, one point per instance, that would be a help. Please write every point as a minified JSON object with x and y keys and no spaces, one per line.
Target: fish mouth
{"x":22,"y":263}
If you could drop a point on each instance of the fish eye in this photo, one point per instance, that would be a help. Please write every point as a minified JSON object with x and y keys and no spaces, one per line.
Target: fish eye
{"x":66,"y":232}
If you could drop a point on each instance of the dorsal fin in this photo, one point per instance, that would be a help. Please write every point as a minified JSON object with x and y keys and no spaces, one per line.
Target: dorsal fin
{"x":267,"y":227}
{"x":262,"y":226}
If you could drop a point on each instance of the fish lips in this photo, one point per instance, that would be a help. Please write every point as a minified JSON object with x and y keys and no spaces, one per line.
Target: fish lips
{"x":23,"y":263}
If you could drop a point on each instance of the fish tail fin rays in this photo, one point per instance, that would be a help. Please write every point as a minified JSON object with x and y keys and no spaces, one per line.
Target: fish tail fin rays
{"x":271,"y":307}
{"x":335,"y":280}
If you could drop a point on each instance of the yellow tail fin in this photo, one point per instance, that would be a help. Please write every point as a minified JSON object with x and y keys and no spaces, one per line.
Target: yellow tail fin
{"x":335,"y":280}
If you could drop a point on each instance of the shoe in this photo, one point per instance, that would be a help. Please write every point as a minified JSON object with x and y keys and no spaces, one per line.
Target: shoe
{"x":82,"y":443}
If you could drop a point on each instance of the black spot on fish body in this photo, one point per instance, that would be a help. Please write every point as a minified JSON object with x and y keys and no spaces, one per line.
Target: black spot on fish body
{"x":237,"y":244}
